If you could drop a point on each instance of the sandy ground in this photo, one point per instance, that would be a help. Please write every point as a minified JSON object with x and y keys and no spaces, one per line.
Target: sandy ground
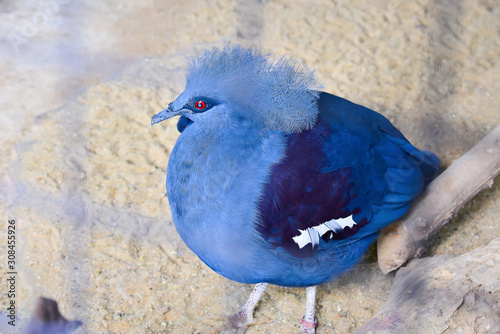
{"x":83,"y":172}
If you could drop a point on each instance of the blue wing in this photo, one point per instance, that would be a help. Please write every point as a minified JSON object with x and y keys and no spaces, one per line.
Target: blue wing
{"x":353,"y":164}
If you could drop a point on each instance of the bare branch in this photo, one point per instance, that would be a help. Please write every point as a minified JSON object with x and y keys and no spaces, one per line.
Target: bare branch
{"x":442,"y":294}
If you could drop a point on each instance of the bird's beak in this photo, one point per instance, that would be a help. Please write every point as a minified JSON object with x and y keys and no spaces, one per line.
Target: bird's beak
{"x":164,"y":114}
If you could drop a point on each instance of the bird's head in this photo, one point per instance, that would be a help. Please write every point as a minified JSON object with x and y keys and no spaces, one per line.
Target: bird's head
{"x":238,"y":84}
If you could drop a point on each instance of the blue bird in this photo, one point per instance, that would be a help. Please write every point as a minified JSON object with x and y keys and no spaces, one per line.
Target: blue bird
{"x":272,"y":181}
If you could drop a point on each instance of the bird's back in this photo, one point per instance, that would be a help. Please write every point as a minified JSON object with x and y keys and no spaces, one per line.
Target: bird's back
{"x":353,"y":169}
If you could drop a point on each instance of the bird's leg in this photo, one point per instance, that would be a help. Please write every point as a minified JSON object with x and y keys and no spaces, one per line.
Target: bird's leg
{"x":309,"y":321}
{"x":245,"y":316}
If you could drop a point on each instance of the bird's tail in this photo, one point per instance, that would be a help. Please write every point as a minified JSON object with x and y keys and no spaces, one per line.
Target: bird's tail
{"x":429,"y":165}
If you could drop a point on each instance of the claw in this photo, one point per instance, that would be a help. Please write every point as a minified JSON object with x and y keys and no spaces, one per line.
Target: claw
{"x":241,"y":319}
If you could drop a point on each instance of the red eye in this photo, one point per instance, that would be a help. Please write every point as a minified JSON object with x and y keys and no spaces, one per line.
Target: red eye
{"x":200,"y":105}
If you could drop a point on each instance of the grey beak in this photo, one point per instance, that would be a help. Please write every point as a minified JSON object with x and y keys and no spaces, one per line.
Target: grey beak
{"x":164,"y":114}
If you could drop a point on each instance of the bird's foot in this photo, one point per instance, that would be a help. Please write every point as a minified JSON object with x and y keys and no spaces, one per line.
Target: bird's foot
{"x":241,"y":319}
{"x":308,"y":327}
{"x":244,"y":317}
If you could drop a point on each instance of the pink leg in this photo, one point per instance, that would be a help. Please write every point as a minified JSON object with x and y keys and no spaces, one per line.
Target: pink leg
{"x":309,"y":321}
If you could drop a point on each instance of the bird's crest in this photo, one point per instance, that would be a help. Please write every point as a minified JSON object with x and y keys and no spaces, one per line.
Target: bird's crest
{"x":277,"y":91}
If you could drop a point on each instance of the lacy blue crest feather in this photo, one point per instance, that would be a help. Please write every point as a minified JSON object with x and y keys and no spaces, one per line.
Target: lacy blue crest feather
{"x":278,"y":92}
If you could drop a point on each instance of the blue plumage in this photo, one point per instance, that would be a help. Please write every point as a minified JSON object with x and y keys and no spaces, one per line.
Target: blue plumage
{"x":273,"y":181}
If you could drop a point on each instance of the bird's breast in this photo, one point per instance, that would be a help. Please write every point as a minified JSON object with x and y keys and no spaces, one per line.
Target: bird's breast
{"x":214,"y":181}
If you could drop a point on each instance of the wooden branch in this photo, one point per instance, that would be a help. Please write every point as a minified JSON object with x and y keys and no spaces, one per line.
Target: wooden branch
{"x":442,"y":294}
{"x":442,"y":199}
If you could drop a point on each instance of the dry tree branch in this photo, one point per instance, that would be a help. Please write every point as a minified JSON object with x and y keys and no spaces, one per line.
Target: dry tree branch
{"x":443,"y":294}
